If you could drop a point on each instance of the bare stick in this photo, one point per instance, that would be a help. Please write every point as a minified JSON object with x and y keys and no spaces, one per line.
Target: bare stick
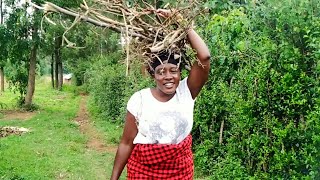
{"x":221,"y":132}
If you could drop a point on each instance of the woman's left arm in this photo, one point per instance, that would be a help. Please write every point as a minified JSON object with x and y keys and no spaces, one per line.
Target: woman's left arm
{"x":200,"y":69}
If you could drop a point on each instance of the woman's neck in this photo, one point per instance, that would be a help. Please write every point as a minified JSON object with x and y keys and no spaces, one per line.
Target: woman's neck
{"x":160,"y":96}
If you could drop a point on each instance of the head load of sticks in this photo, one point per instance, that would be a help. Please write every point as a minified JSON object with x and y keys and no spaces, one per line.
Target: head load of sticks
{"x":146,"y":32}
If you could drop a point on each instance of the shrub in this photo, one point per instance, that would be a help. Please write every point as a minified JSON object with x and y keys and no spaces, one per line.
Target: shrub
{"x":107,"y":83}
{"x":111,"y":88}
{"x":255,"y":113}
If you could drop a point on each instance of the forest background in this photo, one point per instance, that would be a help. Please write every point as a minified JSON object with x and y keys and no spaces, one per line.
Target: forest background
{"x":256,"y":118}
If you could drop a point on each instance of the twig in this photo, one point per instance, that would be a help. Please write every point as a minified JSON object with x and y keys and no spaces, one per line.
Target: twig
{"x":127,"y":43}
{"x":221,"y":132}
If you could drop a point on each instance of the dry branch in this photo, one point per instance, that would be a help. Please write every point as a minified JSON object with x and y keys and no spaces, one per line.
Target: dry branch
{"x":221,"y":132}
{"x":142,"y":27}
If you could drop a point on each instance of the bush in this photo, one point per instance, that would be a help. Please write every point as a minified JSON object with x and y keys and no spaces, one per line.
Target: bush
{"x":229,"y":168}
{"x":111,"y":88}
{"x":107,"y":83}
{"x":255,"y":114}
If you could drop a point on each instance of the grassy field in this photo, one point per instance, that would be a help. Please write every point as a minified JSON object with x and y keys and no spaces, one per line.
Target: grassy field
{"x":55,"y":148}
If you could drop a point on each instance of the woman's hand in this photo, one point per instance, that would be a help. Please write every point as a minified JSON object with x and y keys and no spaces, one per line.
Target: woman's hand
{"x":170,"y":13}
{"x":164,"y":12}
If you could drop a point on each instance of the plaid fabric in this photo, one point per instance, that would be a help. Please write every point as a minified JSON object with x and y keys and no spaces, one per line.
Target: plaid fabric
{"x":159,"y":161}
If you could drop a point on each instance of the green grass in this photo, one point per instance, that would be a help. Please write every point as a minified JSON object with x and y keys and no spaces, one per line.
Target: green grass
{"x":55,"y":148}
{"x":8,"y":100}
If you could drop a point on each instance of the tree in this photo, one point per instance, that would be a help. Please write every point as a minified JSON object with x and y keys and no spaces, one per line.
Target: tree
{"x":58,"y":63}
{"x":33,"y":60}
{"x":3,"y":48}
{"x":18,"y":28}
{"x":52,"y":44}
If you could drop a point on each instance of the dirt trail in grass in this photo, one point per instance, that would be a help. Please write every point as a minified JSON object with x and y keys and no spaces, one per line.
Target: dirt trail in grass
{"x":95,"y":141}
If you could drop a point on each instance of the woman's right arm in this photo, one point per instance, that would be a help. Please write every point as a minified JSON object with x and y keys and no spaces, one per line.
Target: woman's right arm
{"x":125,"y":147}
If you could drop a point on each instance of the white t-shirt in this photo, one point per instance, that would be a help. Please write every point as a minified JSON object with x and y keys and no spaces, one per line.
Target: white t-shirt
{"x":162,"y":122}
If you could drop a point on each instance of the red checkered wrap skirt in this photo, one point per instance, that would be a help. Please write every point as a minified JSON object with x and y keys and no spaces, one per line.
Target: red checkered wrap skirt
{"x":161,"y":161}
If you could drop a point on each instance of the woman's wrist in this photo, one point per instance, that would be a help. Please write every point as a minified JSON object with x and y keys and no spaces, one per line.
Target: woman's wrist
{"x":190,"y":30}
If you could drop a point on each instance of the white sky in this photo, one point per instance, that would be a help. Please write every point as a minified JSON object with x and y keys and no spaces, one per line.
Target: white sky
{"x":8,"y":10}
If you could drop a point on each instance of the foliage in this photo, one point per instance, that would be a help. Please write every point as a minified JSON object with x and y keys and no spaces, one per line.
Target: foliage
{"x":17,"y":37}
{"x":3,"y":45}
{"x":78,"y":61}
{"x":18,"y":26}
{"x":106,"y":85}
{"x":264,"y":87}
{"x":109,"y":86}
{"x":228,"y":168}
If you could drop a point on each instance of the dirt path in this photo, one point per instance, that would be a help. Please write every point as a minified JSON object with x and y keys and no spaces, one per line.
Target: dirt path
{"x":95,"y":141}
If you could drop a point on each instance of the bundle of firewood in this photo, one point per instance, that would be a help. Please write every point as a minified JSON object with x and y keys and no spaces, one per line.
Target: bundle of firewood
{"x":146,"y":33}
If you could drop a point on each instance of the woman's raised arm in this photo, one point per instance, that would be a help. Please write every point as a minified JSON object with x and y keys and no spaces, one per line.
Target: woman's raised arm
{"x":200,"y":69}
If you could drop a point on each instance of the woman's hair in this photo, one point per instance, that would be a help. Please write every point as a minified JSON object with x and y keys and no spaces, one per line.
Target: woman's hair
{"x":169,"y":57}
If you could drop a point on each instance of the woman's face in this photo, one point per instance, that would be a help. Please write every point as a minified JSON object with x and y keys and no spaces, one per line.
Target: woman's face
{"x":167,"y":77}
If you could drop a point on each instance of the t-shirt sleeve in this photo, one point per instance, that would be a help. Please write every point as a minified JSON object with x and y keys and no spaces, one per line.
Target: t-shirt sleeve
{"x":184,"y":90}
{"x":134,"y":104}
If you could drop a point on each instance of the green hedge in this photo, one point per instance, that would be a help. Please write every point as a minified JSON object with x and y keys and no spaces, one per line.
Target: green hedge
{"x":264,"y":91}
{"x":111,"y":88}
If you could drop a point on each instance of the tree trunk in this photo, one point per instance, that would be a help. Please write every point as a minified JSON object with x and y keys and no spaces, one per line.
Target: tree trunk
{"x":1,"y":79}
{"x":58,"y":64}
{"x":60,"y":70}
{"x":1,"y":12}
{"x":56,"y":74}
{"x":52,"y":70}
{"x":1,"y":68}
{"x":32,"y":69}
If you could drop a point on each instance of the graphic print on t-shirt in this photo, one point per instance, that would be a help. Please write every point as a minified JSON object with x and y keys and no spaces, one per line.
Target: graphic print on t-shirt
{"x":167,"y":127}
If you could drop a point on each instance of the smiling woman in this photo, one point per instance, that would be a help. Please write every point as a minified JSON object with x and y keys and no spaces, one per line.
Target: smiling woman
{"x":167,"y":77}
{"x":156,"y":141}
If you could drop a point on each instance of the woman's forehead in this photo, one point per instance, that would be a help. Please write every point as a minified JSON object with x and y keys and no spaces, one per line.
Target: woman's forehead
{"x":166,"y":65}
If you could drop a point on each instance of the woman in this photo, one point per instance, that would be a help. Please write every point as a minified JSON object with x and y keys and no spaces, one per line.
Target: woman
{"x":156,"y":141}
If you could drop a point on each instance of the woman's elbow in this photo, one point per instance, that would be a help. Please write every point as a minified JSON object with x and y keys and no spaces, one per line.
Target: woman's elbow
{"x":205,"y":58}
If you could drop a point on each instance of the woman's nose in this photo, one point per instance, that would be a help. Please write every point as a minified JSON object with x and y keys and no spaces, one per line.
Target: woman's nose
{"x":168,"y":75}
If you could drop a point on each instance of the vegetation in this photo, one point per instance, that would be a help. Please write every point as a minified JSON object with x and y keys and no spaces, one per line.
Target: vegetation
{"x":256,"y":118}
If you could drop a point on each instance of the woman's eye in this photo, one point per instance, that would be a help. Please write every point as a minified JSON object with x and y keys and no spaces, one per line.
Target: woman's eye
{"x":174,"y":70}
{"x":161,"y":71}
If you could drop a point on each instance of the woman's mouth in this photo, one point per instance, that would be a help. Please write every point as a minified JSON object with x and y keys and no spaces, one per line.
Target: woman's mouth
{"x":169,"y":85}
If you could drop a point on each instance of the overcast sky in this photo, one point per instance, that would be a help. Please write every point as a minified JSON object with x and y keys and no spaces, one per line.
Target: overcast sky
{"x":8,"y":10}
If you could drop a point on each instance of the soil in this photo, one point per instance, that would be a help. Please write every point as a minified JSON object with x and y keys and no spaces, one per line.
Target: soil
{"x":95,"y":141}
{"x":17,"y":115}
